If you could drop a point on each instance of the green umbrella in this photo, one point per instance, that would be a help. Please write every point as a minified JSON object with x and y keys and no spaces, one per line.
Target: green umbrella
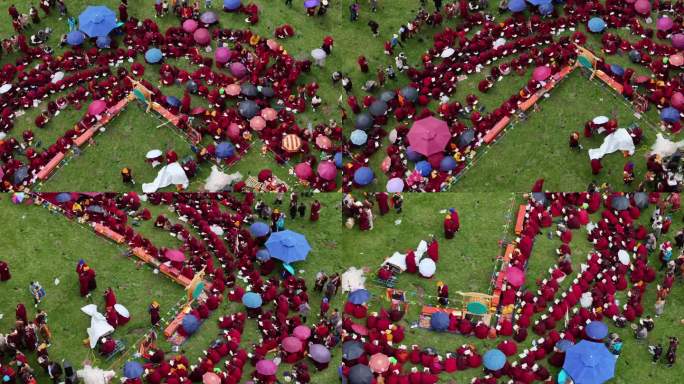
{"x":476,"y":308}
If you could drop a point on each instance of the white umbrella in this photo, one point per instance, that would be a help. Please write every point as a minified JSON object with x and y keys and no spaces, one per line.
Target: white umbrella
{"x":447,"y":52}
{"x":99,"y":326}
{"x":153,"y":154}
{"x":623,"y":256}
{"x":600,"y":120}
{"x":319,"y":56}
{"x":121,"y":310}
{"x":5,"y":88}
{"x":499,"y":42}
{"x":392,"y":136}
{"x":216,"y":229}
{"x":586,"y":300}
{"x":57,"y":77}
{"x":427,"y":267}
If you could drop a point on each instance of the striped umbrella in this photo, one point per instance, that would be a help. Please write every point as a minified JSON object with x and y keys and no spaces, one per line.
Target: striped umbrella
{"x":291,"y":143}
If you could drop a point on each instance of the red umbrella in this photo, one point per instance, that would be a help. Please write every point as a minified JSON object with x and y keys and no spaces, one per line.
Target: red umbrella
{"x":174,"y":255}
{"x":303,"y":170}
{"x":257,"y":123}
{"x":515,"y":276}
{"x":379,"y":363}
{"x":359,"y":329}
{"x":323,"y":142}
{"x":327,"y":170}
{"x":428,"y":136}
{"x":269,"y":114}
{"x":541,"y":73}
{"x":292,"y":344}
{"x":233,"y":131}
{"x":233,"y":89}
{"x":97,"y":107}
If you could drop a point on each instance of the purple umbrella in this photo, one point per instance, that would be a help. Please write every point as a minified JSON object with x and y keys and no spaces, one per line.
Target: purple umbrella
{"x":664,"y":24}
{"x":319,"y":353}
{"x":238,"y":69}
{"x":327,"y":170}
{"x":208,"y":17}
{"x":395,"y":185}
{"x":266,"y":367}
{"x":190,"y":25}
{"x":302,"y":332}
{"x":222,"y":55}
{"x":312,"y":3}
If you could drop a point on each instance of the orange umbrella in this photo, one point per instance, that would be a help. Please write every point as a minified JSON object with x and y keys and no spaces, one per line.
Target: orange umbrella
{"x":233,"y":89}
{"x":257,"y":123}
{"x":269,"y":114}
{"x":291,"y":143}
{"x":323,"y":142}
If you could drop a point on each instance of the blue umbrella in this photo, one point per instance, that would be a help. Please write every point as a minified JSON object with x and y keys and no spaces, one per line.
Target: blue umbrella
{"x":588,"y":362}
{"x":546,"y":9}
{"x":97,"y":21}
{"x":252,"y":300}
{"x":153,"y":55}
{"x":263,"y":254}
{"x":424,"y":168}
{"x":439,"y":321}
{"x":516,"y":5}
{"x":494,"y":359}
{"x":447,"y":164}
{"x":363,"y":176}
{"x":596,"y":24}
{"x":63,"y":197}
{"x":564,"y":344}
{"x":225,"y":150}
{"x":358,"y":296}
{"x":75,"y":38}
{"x":363,"y":121}
{"x":132,"y":370}
{"x":190,"y":323}
{"x":413,"y":155}
{"x":670,"y":115}
{"x":288,"y":246}
{"x":103,"y":42}
{"x":173,"y":101}
{"x":358,"y":137}
{"x":539,"y":2}
{"x":312,"y":3}
{"x":617,"y":70}
{"x":259,"y":229}
{"x":231,"y":5}
{"x":338,"y":159}
{"x":596,"y":330}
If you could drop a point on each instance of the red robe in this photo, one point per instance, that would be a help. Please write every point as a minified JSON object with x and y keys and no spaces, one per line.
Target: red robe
{"x":315,"y":211}
{"x":4,"y":271}
{"x":433,"y":250}
{"x":411,"y":266}
{"x":383,"y":202}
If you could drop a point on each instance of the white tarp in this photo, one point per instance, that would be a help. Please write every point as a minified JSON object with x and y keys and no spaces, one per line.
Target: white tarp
{"x":398,"y":260}
{"x":665,"y":147}
{"x":353,"y":279}
{"x":218,"y":180}
{"x":94,"y":375}
{"x":172,"y":174}
{"x":620,"y":140}
{"x":99,"y":326}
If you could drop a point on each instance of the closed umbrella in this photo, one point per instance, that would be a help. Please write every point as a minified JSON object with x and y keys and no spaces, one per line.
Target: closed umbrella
{"x":358,"y":137}
{"x":363,"y":121}
{"x":319,"y":353}
{"x":494,"y":359}
{"x":589,"y":362}
{"x":190,"y":323}
{"x":225,"y":150}
{"x":359,"y":296}
{"x":379,"y":363}
{"x":302,"y":332}
{"x":427,"y":267}
{"x":596,"y":24}
{"x":429,"y":135}
{"x":303,"y":170}
{"x":259,"y":229}
{"x":266,"y":367}
{"x":97,"y":21}
{"x":288,"y":246}
{"x":208,"y":17}
{"x":153,"y":55}
{"x":378,"y":108}
{"x":515,"y":276}
{"x":439,"y":321}
{"x":252,"y":300}
{"x":269,"y":114}
{"x":326,"y":170}
{"x":248,"y":109}
{"x":541,"y":73}
{"x":190,"y":25}
{"x":360,"y":374}
{"x":395,"y":185}
{"x":257,"y":123}
{"x":132,"y":370}
{"x":363,"y":176}
{"x":596,"y":330}
{"x":174,"y":255}
{"x":231,"y":5}
{"x":291,"y":344}
{"x":291,"y":143}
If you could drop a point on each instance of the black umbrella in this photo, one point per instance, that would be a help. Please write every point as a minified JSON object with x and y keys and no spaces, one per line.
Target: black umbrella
{"x":191,"y":86}
{"x":248,"y":109}
{"x":619,"y":203}
{"x":360,"y":374}
{"x":410,"y":94}
{"x":634,"y":56}
{"x":641,"y":200}
{"x":387,"y":96}
{"x":363,"y":121}
{"x":20,"y":175}
{"x":539,"y":197}
{"x":267,"y":92}
{"x":352,"y":350}
{"x":465,"y":138}
{"x":95,"y":209}
{"x":249,"y":90}
{"x":378,"y":108}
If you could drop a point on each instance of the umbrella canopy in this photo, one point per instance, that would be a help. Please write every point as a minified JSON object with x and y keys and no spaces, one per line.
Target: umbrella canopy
{"x":634,"y":56}
{"x":266,"y":367}
{"x":222,"y":55}
{"x":424,"y":167}
{"x":678,"y":40}
{"x":338,"y":159}
{"x":248,"y":109}
{"x":617,"y":70}
{"x":20,"y":174}
{"x":378,"y":108}
{"x":588,"y":362}
{"x":676,"y":60}
{"x":447,"y":164}
{"x":641,"y":199}
{"x":664,"y":23}
{"x":312,"y":3}
{"x":596,"y":24}
{"x":291,"y":143}
{"x":303,"y":170}
{"x":174,"y":255}
{"x":429,"y":135}
{"x":232,"y":89}
{"x":225,"y":150}
{"x":288,"y":246}
{"x":546,"y":8}
{"x":465,"y":138}
{"x":358,"y":137}
{"x":173,"y":101}
{"x":75,"y":38}
{"x":352,"y":350}
{"x":539,"y":197}
{"x":413,"y":155}
{"x":318,"y":54}
{"x":409,"y":93}
{"x":103,"y":42}
{"x":359,"y":329}
{"x":302,"y":332}
{"x":363,"y":121}
{"x":379,"y":363}
{"x":326,"y":170}
{"x":257,"y":123}
{"x":387,"y":96}
{"x":6,"y":87}
{"x":97,"y":20}
{"x":269,"y":114}
{"x":252,"y":300}
{"x":515,"y":276}
{"x":259,"y":229}
{"x":132,"y":370}
{"x":202,"y":36}
{"x":395,"y":185}
{"x":95,"y":209}
{"x":153,"y":55}
{"x":63,"y":197}
{"x":359,"y":296}
{"x":323,"y":142}
{"x":447,"y":52}
{"x":516,"y":5}
{"x":211,"y":378}
{"x":476,"y":308}
{"x":360,"y":374}
{"x":619,"y":203}
{"x":190,"y":323}
{"x":267,"y":92}
{"x":642,"y":7}
{"x":427,"y":267}
{"x":190,"y":25}
{"x":208,"y":17}
{"x":600,"y":120}
{"x":263,"y":255}
{"x":238,"y":70}
{"x":363,"y":176}
{"x":249,"y":90}
{"x":494,"y":359}
{"x":97,"y":107}
{"x":439,"y":321}
{"x":596,"y":330}
{"x":291,"y":344}
{"x":191,"y":86}
{"x":563,"y":344}
{"x":319,"y":353}
{"x":541,"y":73}
{"x":670,"y":115}
{"x":231,"y":5}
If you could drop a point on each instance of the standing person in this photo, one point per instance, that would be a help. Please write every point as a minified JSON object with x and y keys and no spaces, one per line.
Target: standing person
{"x":33,"y":12}
{"x":123,"y":12}
{"x":5,"y":273}
{"x":442,"y":294}
{"x":154,"y":313}
{"x":288,"y":3}
{"x":302,"y":209}
{"x":628,"y":173}
{"x":293,"y":209}
{"x":61,"y":6}
{"x":671,"y":355}
{"x":303,"y":310}
{"x":596,"y":166}
{"x":13,"y":12}
{"x":374,"y":5}
{"x":659,"y":306}
{"x":315,"y":211}
{"x":383,"y":202}
{"x":354,"y":11}
{"x":374,"y":27}
{"x":574,"y":141}
{"x":398,"y":202}
{"x":207,"y":4}
{"x":363,"y":63}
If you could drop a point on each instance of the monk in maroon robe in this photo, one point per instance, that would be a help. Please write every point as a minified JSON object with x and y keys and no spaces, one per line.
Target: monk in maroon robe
{"x":315,"y":211}
{"x":383,"y":202}
{"x":4,"y":271}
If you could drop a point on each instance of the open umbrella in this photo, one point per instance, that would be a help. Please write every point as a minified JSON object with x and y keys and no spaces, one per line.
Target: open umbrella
{"x":6,"y":87}
{"x":312,"y":3}
{"x":291,"y":143}
{"x":439,"y":321}
{"x":303,"y":170}
{"x":634,"y":56}
{"x":302,"y":332}
{"x":448,"y":163}
{"x":678,"y":40}
{"x":676,"y":60}
{"x":202,"y":36}
{"x":291,"y":344}
{"x":231,"y":5}
{"x":63,"y":197}
{"x":103,"y":42}
{"x":225,"y":150}
{"x":222,"y":55}
{"x":267,"y":92}
{"x":623,"y":257}
{"x":20,"y":175}
{"x":515,"y":276}
{"x":338,"y":159}
{"x":596,"y":24}
{"x":238,"y":69}
{"x":269,"y":114}
{"x":208,"y":17}
{"x":429,"y":135}
{"x":358,"y":137}
{"x":173,"y":101}
{"x":617,"y":70}
{"x":249,"y":90}
{"x":409,"y":93}
{"x":191,"y":86}
{"x":643,"y":7}
{"x":259,"y":229}
{"x":97,"y":20}
{"x":546,"y":8}
{"x":211,"y":378}
{"x":266,"y":367}
{"x":263,"y":255}
{"x":252,"y":300}
{"x":153,"y":55}
{"x":319,"y":56}
{"x":539,"y":197}
{"x":95,"y":209}
{"x":248,"y":109}
{"x":360,"y":374}
{"x":447,"y":52}
{"x":97,"y":107}
{"x":326,"y":170}
{"x":476,"y":308}
{"x":359,"y":296}
{"x":395,"y":185}
{"x":619,"y":203}
{"x":363,"y":121}
{"x":596,"y":330}
{"x":589,"y":362}
{"x":75,"y":38}
{"x":494,"y":359}
{"x":378,"y":108}
{"x":190,"y":323}
{"x":541,"y":73}
{"x":257,"y":123}
{"x":132,"y":370}
{"x":664,"y":23}
{"x":363,"y":176}
{"x":427,"y":267}
{"x":669,"y":115}
{"x":359,"y":329}
{"x":516,"y":6}
{"x":190,"y":25}
{"x":174,"y":255}
{"x":323,"y":142}
{"x":466,"y":137}
{"x":379,"y":363}
{"x":563,"y":344}
{"x":319,"y":353}
{"x":288,"y":246}
{"x":424,"y":168}
{"x":641,"y":199}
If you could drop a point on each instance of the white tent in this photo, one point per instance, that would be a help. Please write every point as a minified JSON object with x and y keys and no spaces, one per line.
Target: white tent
{"x":99,"y":326}
{"x":620,"y":140}
{"x":172,"y":174}
{"x":218,"y":180}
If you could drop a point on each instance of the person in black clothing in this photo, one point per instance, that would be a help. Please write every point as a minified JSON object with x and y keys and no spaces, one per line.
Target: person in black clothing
{"x":656,"y":352}
{"x":398,"y":202}
{"x":438,"y":4}
{"x":302,"y":209}
{"x":293,"y":209}
{"x":374,"y":27}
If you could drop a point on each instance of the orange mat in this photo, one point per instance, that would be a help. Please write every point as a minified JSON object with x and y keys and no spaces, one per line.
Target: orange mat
{"x":173,"y":325}
{"x":50,"y":166}
{"x":521,"y":219}
{"x":609,"y":80}
{"x":86,"y":136}
{"x":141,"y":254}
{"x":108,"y":233}
{"x":527,"y":104}
{"x":509,"y":253}
{"x":496,"y":129}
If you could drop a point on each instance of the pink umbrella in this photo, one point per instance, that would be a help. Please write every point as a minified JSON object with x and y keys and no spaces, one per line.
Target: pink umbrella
{"x":359,"y":329}
{"x":429,"y":135}
{"x":174,"y":255}
{"x":222,"y":55}
{"x":676,"y":60}
{"x":541,"y":73}
{"x":211,"y":378}
{"x":273,"y":45}
{"x":97,"y":107}
{"x":234,"y":131}
{"x":327,"y":170}
{"x":643,"y":7}
{"x":190,"y":25}
{"x":238,"y":69}
{"x":379,"y":363}
{"x":202,"y":36}
{"x":303,"y":171}
{"x":664,"y":24}
{"x":266,"y":367}
{"x":291,"y":344}
{"x":302,"y":332}
{"x":323,"y":142}
{"x":269,"y":114}
{"x":233,"y":89}
{"x":677,"y":101}
{"x":257,"y":123}
{"x":515,"y":276}
{"x":386,"y":163}
{"x":678,"y":40}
